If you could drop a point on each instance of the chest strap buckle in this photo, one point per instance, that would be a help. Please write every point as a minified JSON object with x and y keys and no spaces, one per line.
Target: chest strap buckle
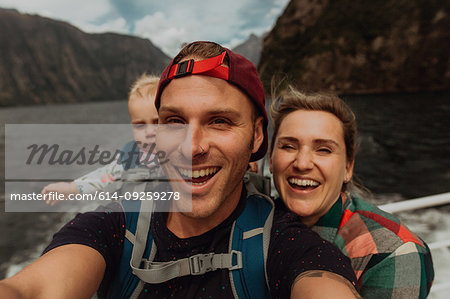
{"x":201,"y":263}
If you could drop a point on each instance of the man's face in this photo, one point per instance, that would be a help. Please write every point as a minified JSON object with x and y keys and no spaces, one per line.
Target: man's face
{"x":144,"y":118}
{"x":223,"y":136}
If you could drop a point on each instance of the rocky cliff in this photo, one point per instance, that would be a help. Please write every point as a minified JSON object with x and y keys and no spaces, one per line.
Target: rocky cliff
{"x":251,"y":48}
{"x":352,"y":47}
{"x":48,"y":61}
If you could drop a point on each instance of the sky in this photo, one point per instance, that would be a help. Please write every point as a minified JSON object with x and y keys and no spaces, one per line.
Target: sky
{"x":167,"y":23}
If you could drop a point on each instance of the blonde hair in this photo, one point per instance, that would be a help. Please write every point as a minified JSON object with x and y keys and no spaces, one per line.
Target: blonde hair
{"x":144,"y":86}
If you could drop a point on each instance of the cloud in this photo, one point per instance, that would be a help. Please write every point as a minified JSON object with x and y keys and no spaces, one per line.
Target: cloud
{"x":84,"y":14}
{"x":187,"y":21}
{"x":174,"y":23}
{"x":116,"y":25}
{"x":276,"y":10}
{"x":158,"y":28}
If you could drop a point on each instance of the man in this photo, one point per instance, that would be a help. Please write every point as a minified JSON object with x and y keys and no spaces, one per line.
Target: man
{"x":219,"y":95}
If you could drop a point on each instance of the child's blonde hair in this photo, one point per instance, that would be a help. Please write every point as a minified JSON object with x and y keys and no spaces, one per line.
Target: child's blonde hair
{"x":144,"y":86}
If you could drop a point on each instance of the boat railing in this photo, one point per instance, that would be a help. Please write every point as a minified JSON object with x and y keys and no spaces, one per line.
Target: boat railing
{"x":417,"y":203}
{"x":420,"y":203}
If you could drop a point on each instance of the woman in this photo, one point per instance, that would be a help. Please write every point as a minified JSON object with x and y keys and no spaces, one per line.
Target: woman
{"x":312,"y":156}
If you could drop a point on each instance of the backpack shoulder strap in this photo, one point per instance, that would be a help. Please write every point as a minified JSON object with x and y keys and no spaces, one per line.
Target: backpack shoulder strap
{"x":251,"y":235}
{"x":126,"y":284}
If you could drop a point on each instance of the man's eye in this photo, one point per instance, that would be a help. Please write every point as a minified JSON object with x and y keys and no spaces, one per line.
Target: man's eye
{"x":220,"y":121}
{"x":174,"y":121}
{"x":138,"y":126}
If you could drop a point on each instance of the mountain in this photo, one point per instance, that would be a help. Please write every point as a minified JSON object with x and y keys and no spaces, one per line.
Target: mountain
{"x":251,"y":48}
{"x":353,"y":47}
{"x":48,"y":61}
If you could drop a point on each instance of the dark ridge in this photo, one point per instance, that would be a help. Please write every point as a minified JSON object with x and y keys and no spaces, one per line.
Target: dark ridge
{"x":46,"y":61}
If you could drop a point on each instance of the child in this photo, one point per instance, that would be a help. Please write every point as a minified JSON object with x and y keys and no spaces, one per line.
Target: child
{"x":143,"y":114}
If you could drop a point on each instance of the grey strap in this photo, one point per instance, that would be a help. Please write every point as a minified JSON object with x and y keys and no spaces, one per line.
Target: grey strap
{"x":158,"y":272}
{"x":230,"y":245}
{"x":130,"y":237}
{"x":142,"y":228}
{"x":251,"y":233}
{"x":137,"y":291}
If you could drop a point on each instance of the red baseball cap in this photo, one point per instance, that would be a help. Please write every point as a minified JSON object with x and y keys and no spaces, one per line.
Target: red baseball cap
{"x":241,"y":72}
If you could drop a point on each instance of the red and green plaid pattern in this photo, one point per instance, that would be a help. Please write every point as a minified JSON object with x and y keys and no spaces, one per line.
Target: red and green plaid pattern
{"x":389,"y":260}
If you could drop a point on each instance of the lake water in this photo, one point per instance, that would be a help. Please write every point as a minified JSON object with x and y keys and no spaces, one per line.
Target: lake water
{"x":404,"y":154}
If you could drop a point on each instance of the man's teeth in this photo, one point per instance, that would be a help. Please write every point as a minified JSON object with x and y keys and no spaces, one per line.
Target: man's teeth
{"x":198,"y":173}
{"x":303,"y":183}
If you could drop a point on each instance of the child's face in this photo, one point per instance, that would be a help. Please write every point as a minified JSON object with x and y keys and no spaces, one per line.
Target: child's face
{"x":144,"y":119}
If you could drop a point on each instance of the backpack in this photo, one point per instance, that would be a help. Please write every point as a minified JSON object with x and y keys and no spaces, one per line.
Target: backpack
{"x":246,"y":259}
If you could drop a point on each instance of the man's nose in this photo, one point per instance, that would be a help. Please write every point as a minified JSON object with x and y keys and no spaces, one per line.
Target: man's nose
{"x":195,"y":143}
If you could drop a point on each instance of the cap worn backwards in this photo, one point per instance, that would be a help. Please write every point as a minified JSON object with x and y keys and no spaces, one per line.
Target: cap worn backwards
{"x":240,"y":72}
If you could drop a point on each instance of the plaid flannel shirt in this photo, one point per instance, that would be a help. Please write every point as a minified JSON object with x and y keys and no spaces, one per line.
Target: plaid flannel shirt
{"x":388,"y":259}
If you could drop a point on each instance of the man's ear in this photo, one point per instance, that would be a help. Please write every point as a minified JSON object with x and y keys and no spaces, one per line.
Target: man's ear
{"x":258,"y":134}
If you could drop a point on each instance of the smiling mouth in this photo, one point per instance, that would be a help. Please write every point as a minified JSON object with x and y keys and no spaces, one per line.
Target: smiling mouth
{"x":199,"y":176}
{"x":303,"y":184}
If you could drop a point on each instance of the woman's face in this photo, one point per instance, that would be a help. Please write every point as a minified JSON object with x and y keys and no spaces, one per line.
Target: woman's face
{"x":309,"y":163}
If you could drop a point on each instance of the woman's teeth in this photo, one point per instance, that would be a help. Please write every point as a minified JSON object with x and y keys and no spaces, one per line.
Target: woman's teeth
{"x":303,"y":182}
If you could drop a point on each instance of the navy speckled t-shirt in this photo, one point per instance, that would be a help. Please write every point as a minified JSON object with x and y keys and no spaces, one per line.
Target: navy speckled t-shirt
{"x":293,"y":249}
